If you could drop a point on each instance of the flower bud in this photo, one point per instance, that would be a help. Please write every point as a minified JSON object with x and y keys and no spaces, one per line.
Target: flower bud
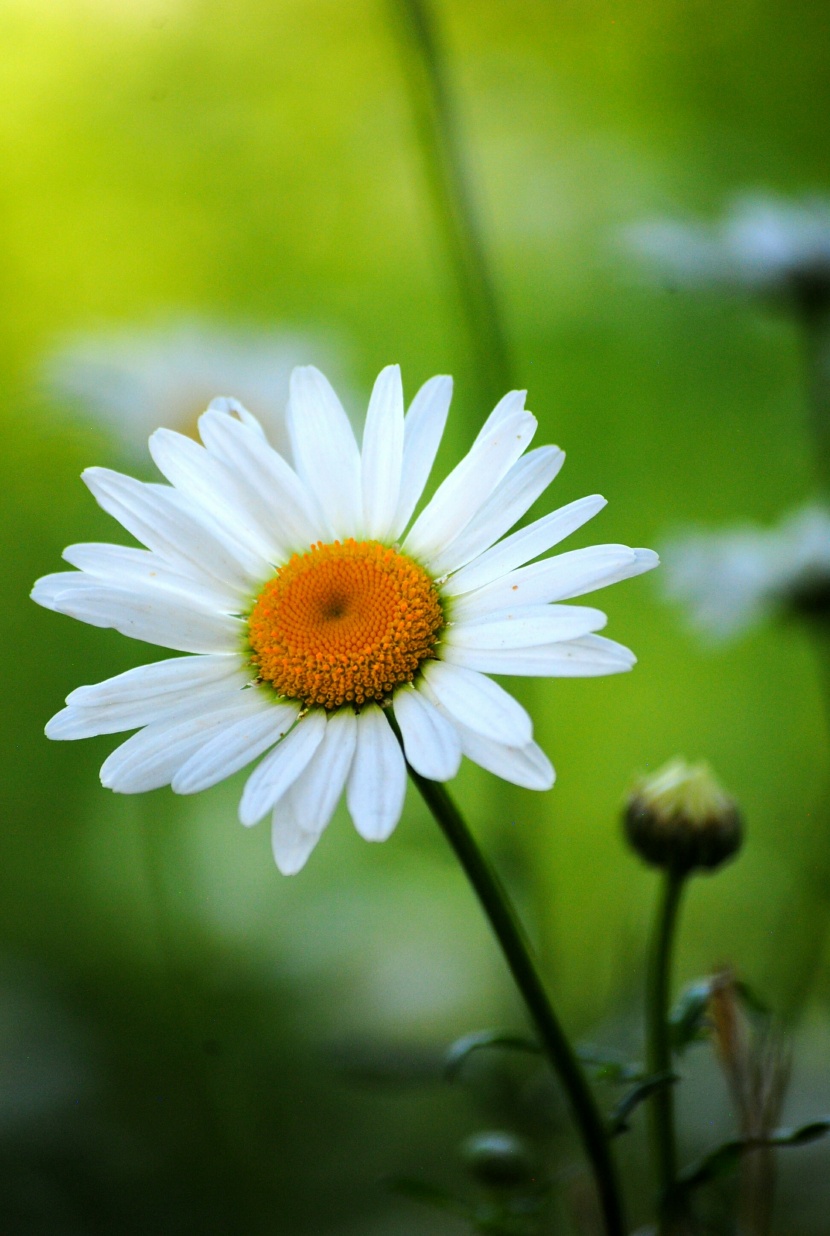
{"x":679,"y":818}
{"x":499,"y":1160}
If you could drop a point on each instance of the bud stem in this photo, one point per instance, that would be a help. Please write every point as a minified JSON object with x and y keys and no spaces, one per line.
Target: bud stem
{"x":517,"y":953}
{"x":659,"y":1052}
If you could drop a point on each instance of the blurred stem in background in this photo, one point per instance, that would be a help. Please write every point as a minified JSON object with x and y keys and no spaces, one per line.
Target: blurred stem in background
{"x":659,"y":1051}
{"x":516,"y":949}
{"x":813,"y":311}
{"x":438,"y":134}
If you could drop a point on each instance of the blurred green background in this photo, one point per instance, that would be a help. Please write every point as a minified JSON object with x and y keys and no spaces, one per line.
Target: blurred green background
{"x":181,"y":1029}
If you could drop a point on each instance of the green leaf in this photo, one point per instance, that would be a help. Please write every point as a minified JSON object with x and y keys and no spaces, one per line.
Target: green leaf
{"x":618,"y":1121}
{"x":687,"y":1020}
{"x":723,"y":1158}
{"x":464,"y":1047}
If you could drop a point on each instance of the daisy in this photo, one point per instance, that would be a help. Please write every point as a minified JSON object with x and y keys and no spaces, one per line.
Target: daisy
{"x":131,"y":380}
{"x":761,"y":244}
{"x":322,"y":620}
{"x":734,"y":579}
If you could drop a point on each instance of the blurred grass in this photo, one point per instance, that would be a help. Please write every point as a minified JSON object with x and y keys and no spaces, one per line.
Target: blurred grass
{"x":256,"y":163}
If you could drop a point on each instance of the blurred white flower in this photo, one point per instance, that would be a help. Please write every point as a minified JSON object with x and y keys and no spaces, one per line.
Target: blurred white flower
{"x":731,"y":580}
{"x":132,"y":380}
{"x":762,"y":243}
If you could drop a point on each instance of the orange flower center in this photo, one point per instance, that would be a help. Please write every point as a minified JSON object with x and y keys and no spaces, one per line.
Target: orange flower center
{"x":344,"y":623}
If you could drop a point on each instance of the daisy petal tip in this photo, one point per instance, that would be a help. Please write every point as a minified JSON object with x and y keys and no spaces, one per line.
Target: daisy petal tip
{"x":375,"y":828}
{"x":249,"y":818}
{"x":291,"y":846}
{"x":225,"y":404}
{"x":548,"y":780}
{"x":41,"y":595}
{"x":93,"y":475}
{"x":52,"y":728}
{"x":647,"y":559}
{"x":289,"y":867}
{"x":291,"y":863}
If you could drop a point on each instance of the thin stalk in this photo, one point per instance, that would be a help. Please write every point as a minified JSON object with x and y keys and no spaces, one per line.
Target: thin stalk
{"x":659,"y":1055}
{"x":815,"y":321}
{"x":441,"y":148}
{"x":517,"y":953}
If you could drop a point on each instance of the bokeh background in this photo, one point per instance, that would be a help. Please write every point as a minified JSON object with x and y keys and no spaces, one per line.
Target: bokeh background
{"x":197,"y":194}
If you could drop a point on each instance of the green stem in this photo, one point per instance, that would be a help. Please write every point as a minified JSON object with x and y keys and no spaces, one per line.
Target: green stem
{"x":659,"y":1054}
{"x":438,"y":135}
{"x":815,"y":320}
{"x":516,"y":949}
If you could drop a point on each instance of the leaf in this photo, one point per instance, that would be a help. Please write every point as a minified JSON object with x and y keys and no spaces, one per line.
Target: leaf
{"x":464,"y":1047}
{"x":618,"y":1121}
{"x":687,"y":1020}
{"x":723,"y":1158}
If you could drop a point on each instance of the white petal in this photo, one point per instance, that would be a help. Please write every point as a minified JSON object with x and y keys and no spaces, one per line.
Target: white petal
{"x":377,"y":783}
{"x":383,"y":454}
{"x":124,"y":566}
{"x":430,"y":741}
{"x":153,"y":756}
{"x":213,"y":487}
{"x":148,"y":682}
{"x":48,"y":588}
{"x":512,"y":497}
{"x":79,"y":722}
{"x":295,"y":520}
{"x":290,"y":845}
{"x":423,"y":430}
{"x":507,"y":406}
{"x":158,"y":517}
{"x":647,"y":560}
{"x":478,"y":702}
{"x":527,"y":766}
{"x":233,"y":409}
{"x":554,"y":579}
{"x":537,"y":538}
{"x":155,"y":617}
{"x":525,"y":627}
{"x":325,"y":451}
{"x":587,"y":657}
{"x":236,"y":747}
{"x":311,"y":800}
{"x":469,"y":485}
{"x":267,"y":784}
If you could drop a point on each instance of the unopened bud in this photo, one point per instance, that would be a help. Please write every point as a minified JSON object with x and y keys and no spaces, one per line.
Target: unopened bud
{"x":499,"y":1160}
{"x":680,"y":819}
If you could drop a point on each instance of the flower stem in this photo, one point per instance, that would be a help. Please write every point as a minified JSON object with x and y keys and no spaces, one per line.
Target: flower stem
{"x":659,"y":1054}
{"x":516,"y":949}
{"x":815,"y":321}
{"x":437,"y":129}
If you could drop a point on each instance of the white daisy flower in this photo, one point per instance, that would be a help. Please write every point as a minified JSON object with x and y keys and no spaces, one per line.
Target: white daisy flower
{"x":732,"y":580}
{"x":763,"y":244}
{"x":316,"y":610}
{"x":133,"y":379}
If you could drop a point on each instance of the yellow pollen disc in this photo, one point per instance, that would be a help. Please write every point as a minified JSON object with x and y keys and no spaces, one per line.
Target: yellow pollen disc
{"x":344,"y":623}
